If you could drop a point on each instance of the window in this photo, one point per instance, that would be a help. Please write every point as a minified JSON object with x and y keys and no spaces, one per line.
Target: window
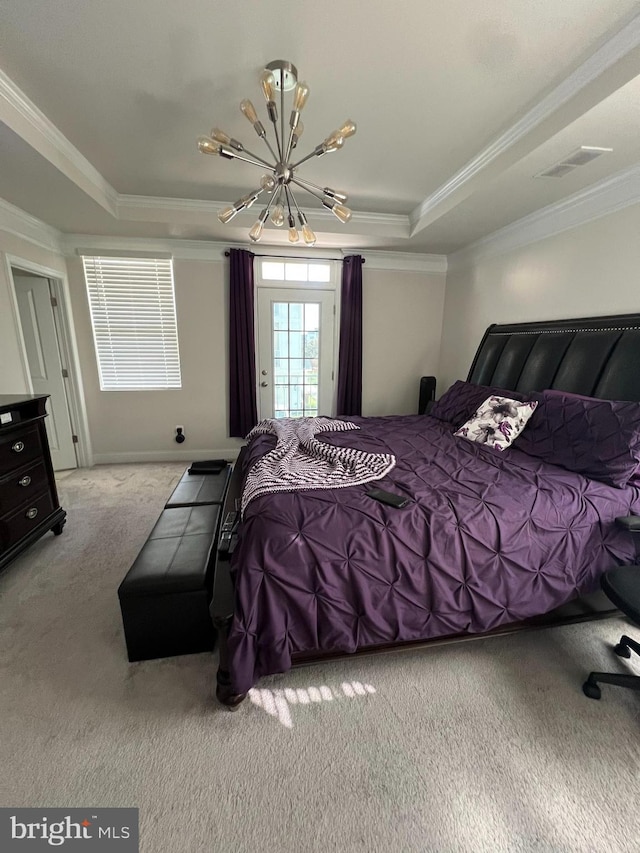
{"x":133,"y":314}
{"x":295,"y":271}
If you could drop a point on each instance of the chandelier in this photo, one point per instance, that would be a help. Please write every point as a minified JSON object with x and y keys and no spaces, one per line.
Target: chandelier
{"x":281,"y":175}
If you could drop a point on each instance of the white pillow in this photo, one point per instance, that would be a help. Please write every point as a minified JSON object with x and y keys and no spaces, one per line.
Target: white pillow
{"x":498,"y":421}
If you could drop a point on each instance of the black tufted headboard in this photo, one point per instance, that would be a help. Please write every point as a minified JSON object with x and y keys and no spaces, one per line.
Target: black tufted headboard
{"x":597,"y":356}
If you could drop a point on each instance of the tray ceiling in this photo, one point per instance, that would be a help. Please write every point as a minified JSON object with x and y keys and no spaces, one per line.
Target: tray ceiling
{"x":457,"y":108}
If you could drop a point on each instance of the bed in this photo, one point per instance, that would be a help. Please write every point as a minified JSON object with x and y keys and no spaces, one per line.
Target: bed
{"x":490,"y":541}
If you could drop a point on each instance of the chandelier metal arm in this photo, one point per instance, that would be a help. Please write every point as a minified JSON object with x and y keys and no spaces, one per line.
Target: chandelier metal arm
{"x":237,"y":156}
{"x":257,"y":157}
{"x":293,"y":123}
{"x":300,"y":180}
{"x":269,"y":146}
{"x":295,"y":202}
{"x":286,"y":157}
{"x":278,"y":143}
{"x":287,"y":193}
{"x":302,"y":187}
{"x":317,"y":152}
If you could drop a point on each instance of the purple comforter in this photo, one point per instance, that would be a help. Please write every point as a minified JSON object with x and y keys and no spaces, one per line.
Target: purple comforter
{"x":489,"y":538}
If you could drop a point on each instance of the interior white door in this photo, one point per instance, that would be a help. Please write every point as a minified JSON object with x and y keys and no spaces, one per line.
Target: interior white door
{"x":45,"y":367}
{"x":295,"y":352}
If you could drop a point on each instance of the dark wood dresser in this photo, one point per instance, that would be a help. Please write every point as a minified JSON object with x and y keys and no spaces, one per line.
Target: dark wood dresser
{"x":28,"y":497}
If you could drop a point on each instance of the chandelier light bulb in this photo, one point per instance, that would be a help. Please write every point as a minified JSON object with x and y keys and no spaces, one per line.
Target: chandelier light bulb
{"x":308,"y":236}
{"x":256,"y":231}
{"x":206,"y":145}
{"x":277,"y":216}
{"x":268,"y":183}
{"x":300,"y":96}
{"x":248,"y":111}
{"x":293,"y":231}
{"x":227,"y":214}
{"x":341,"y":212}
{"x":348,"y":128}
{"x":333,"y":142}
{"x":267,"y":82}
{"x":220,"y":136}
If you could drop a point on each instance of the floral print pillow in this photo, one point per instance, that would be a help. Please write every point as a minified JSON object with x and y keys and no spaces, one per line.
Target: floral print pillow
{"x":498,"y":421}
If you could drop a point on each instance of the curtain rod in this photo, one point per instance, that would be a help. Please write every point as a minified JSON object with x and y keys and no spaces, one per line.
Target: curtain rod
{"x":294,"y":257}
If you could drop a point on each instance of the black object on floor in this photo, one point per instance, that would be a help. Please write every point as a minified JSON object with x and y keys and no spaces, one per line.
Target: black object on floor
{"x":208,"y":466}
{"x":165,"y":595}
{"x":622,"y":586}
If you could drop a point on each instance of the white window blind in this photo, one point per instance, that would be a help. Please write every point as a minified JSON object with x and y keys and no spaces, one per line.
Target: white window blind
{"x":133,"y":314}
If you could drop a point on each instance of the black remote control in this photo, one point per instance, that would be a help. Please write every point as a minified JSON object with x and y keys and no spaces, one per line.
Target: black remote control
{"x":388,"y":498}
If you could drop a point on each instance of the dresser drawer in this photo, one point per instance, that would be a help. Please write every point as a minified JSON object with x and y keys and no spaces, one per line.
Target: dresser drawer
{"x":21,"y":486}
{"x":17,"y":524}
{"x":18,"y":447}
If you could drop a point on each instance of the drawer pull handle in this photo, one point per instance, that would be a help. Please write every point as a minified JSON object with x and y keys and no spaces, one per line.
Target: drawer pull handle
{"x":25,"y":480}
{"x":31,"y":513}
{"x":18,"y":446}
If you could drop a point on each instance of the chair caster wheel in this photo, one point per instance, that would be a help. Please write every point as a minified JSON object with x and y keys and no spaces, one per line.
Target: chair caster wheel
{"x":591,"y":690}
{"x":622,"y":650}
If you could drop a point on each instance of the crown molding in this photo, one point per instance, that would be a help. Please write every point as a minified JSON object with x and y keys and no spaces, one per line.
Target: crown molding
{"x":25,"y":118}
{"x":405,"y":261}
{"x":21,"y":224}
{"x":159,"y":209}
{"x":601,"y":199}
{"x":613,"y":51}
{"x":210,"y":250}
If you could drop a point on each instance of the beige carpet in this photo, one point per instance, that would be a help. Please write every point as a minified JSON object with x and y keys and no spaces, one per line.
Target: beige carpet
{"x":484,"y":746}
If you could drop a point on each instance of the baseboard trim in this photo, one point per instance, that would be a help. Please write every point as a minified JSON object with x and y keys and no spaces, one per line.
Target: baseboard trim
{"x":228,"y":453}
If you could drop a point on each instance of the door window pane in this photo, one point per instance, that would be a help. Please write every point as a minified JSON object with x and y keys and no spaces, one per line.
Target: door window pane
{"x":296,"y":329}
{"x":280,"y":344}
{"x":296,"y":344}
{"x":280,"y":315}
{"x":296,"y":315}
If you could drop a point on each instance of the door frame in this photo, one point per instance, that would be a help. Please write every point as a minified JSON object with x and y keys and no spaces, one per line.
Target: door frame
{"x":297,"y":294}
{"x":65,"y":334}
{"x":334,"y":284}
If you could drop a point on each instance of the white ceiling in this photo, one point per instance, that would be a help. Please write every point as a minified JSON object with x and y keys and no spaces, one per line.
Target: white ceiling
{"x":458,"y":104}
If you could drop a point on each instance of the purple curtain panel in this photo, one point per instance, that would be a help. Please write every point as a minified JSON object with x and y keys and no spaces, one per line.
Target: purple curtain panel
{"x":243,"y":410}
{"x":350,"y":351}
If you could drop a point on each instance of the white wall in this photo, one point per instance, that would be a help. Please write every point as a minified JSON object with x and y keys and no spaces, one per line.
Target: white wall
{"x":593,"y":269}
{"x":13,"y":379}
{"x":402,"y":319}
{"x":401,"y":328}
{"x":140,"y":425}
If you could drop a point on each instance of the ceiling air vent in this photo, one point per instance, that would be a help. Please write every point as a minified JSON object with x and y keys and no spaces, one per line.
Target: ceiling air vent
{"x":580,"y":157}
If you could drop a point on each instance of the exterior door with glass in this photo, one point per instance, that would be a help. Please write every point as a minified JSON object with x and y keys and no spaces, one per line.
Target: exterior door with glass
{"x":295,"y":352}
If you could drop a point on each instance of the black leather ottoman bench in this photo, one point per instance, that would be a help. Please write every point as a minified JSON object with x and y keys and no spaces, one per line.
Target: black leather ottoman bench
{"x":200,"y":489}
{"x":165,"y":595}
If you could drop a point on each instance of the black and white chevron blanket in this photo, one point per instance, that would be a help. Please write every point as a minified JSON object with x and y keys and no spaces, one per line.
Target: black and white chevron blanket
{"x":300,"y":461}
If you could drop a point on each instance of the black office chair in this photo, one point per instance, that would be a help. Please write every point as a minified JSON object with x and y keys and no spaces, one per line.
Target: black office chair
{"x":622,"y":586}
